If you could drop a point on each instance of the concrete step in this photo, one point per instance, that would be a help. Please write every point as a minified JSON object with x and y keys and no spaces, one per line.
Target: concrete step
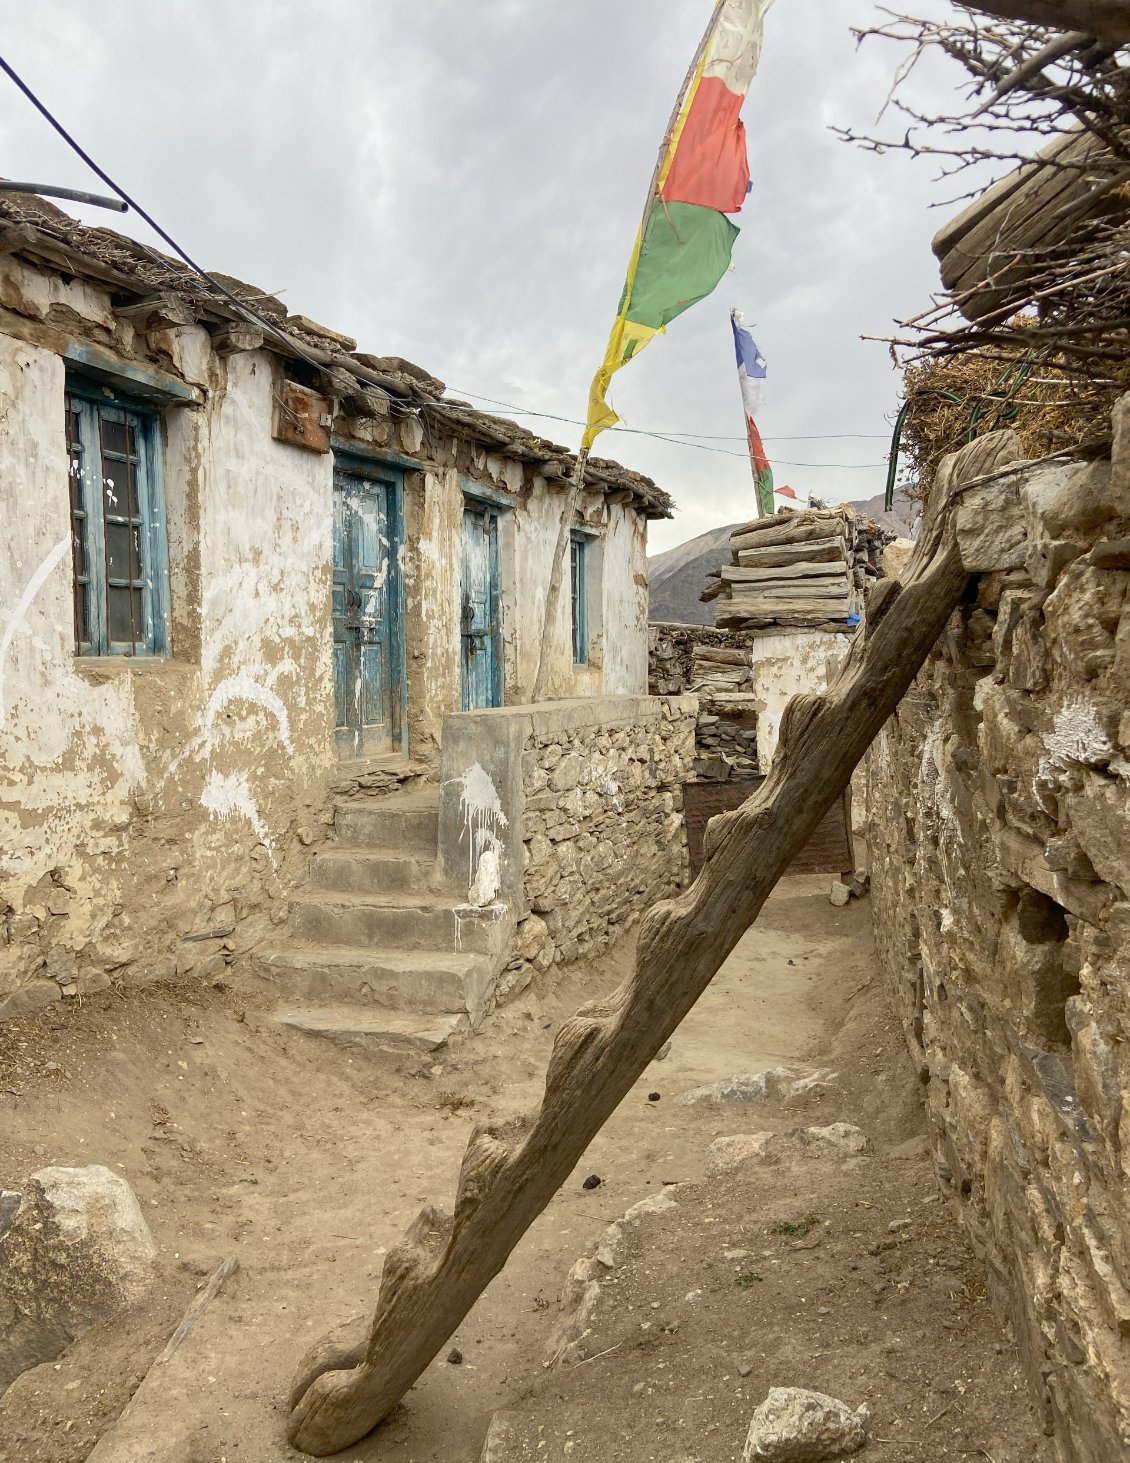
{"x":419,"y":981}
{"x":372,"y":871}
{"x":404,"y":823}
{"x":372,"y":1028}
{"x":399,"y":922}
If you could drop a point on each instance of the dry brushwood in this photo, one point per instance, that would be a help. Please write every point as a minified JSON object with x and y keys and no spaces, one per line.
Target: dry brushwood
{"x":955,"y":399}
{"x":511,"y":1170}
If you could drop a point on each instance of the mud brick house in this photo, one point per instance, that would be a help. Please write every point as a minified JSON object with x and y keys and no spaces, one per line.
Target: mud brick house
{"x":247,"y":570}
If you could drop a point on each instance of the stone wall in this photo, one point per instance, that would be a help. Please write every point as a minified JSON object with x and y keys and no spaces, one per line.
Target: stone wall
{"x":999,"y":829}
{"x":570,"y":814}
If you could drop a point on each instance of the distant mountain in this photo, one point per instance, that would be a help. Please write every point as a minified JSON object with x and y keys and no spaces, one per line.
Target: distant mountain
{"x":678,"y":576}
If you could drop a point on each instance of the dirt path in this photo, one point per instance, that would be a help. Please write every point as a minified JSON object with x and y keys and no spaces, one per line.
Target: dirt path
{"x":308,"y":1162}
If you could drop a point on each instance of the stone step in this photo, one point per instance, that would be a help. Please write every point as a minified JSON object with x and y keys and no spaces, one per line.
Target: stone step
{"x":373,"y":1028}
{"x":405,"y":823}
{"x":399,"y":922}
{"x":420,"y":981}
{"x":372,"y":871}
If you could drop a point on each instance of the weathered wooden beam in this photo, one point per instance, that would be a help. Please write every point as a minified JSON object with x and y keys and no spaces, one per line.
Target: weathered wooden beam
{"x":157,"y":312}
{"x":822,"y":551}
{"x":788,"y":533}
{"x":512,"y":1168}
{"x":236,"y":337}
{"x":131,"y":1438}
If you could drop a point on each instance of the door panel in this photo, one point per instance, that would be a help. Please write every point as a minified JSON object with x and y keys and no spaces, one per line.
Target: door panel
{"x":481,"y":606}
{"x":368,"y":657}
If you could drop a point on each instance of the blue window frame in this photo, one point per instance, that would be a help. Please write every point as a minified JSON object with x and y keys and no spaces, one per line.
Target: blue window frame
{"x":578,"y":597}
{"x":118,"y":538}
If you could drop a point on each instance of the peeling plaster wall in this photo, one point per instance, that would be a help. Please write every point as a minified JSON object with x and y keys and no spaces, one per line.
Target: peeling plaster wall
{"x":434,"y":502}
{"x":147,"y":802}
{"x":141,"y":802}
{"x":998,"y":804}
{"x":785,"y":665}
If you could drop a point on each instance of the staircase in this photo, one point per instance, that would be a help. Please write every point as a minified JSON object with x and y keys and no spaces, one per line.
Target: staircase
{"x":378,"y":954}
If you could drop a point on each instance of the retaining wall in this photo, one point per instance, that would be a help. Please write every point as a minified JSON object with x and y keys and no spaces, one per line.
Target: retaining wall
{"x":999,"y":828}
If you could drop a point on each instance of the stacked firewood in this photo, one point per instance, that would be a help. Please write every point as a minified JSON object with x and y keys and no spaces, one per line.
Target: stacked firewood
{"x":717,"y":668}
{"x":807,"y":569}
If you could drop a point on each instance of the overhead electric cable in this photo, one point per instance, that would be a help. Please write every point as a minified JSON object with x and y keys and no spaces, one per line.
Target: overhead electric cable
{"x":647,"y":432}
{"x":245,"y":309}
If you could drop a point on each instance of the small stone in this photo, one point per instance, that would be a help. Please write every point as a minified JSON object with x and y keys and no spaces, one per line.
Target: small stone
{"x":455,"y":1357}
{"x":653,"y":1097}
{"x":663,"y":1053}
{"x":744,"y":1369}
{"x":794,"y":1425}
{"x":897,"y":1225}
{"x":592,"y":1182}
{"x":840,"y":894}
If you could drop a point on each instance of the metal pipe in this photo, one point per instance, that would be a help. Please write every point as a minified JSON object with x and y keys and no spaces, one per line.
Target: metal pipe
{"x":47,"y":190}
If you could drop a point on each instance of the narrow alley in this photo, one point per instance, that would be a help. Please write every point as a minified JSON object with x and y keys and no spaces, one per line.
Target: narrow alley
{"x":808,"y":1266}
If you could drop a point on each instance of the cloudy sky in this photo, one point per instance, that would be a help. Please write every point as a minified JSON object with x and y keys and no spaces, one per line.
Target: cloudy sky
{"x":459,"y":183}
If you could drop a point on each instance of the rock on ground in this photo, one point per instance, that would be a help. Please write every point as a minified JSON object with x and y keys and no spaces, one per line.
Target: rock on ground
{"x":836,"y":1139}
{"x":794,"y":1425}
{"x":74,"y":1248}
{"x":775,"y":1083}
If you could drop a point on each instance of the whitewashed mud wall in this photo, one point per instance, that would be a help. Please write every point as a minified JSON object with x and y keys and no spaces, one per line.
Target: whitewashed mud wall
{"x":999,"y":830}
{"x":143,"y":803}
{"x":434,"y":502}
{"x":783,"y":666}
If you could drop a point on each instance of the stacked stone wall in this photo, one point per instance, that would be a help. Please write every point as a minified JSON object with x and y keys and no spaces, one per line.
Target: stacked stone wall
{"x":603,"y":830}
{"x":999,"y":828}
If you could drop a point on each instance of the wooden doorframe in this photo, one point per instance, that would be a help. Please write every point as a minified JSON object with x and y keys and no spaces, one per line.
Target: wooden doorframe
{"x":481,"y":499}
{"x":355,"y":460}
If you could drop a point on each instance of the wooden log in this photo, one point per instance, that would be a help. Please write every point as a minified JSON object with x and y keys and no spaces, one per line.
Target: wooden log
{"x":712,"y":591}
{"x":789,"y":533}
{"x":719,"y":655}
{"x":821,"y":551}
{"x":741,"y":581}
{"x":157,"y":312}
{"x":806,"y":569}
{"x":988,"y":261}
{"x":792,"y":517}
{"x":133,"y":1437}
{"x":229,"y":340}
{"x":513,"y":1167}
{"x":808,"y":593}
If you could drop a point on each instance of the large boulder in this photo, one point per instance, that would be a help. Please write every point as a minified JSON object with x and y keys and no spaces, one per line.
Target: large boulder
{"x":74,"y":1248}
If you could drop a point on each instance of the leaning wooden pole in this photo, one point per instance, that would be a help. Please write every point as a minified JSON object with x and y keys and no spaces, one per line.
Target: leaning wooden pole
{"x":511,"y":1170}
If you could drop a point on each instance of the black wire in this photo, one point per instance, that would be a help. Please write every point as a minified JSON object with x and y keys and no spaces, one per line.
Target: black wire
{"x":244,"y":309}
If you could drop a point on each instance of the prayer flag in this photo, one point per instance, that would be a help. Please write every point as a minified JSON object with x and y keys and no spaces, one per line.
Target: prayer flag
{"x":685,"y":240}
{"x":751,"y":378}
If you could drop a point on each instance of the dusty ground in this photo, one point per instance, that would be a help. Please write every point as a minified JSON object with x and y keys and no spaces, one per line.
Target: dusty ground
{"x":307,"y":1163}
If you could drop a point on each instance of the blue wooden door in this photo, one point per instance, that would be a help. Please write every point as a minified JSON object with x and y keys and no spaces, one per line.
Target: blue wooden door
{"x":368,"y":656}
{"x":481,"y":620}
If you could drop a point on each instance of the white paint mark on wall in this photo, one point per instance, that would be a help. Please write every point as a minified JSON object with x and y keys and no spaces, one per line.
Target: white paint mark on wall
{"x":244,"y":687}
{"x":483,"y":821}
{"x":23,"y":604}
{"x":227,"y":795}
